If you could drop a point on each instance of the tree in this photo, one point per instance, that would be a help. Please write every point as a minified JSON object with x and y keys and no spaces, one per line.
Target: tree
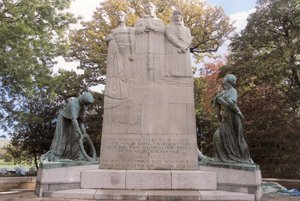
{"x":32,"y":33}
{"x":205,"y":88}
{"x":209,"y":26}
{"x":265,"y":60}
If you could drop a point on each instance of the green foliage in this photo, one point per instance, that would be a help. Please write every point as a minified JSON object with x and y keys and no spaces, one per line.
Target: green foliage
{"x":209,"y":26}
{"x":32,"y":33}
{"x":265,"y":59}
{"x":205,"y":88}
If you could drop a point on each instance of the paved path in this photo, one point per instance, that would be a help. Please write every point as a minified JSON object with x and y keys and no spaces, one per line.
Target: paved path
{"x":29,"y":196}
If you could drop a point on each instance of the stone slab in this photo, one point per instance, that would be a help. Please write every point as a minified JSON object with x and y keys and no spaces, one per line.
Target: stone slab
{"x":113,"y":179}
{"x":148,"y":179}
{"x":121,"y":195}
{"x":157,"y":195}
{"x":223,"y":196}
{"x":61,"y":178}
{"x":194,"y":180}
{"x":174,"y":195}
{"x":72,"y":194}
{"x":243,"y":181}
{"x":63,"y":174}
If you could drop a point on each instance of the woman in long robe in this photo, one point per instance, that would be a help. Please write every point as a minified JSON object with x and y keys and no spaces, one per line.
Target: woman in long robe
{"x":69,"y":129}
{"x":229,"y":143}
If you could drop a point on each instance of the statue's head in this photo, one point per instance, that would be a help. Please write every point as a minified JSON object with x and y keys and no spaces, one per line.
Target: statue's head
{"x":121,"y":16}
{"x":177,"y":16}
{"x":149,"y":9}
{"x":86,"y":98}
{"x":230,"y":79}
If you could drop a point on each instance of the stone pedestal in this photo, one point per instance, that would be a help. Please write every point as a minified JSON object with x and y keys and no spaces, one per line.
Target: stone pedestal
{"x":60,"y":178}
{"x":239,"y":178}
{"x":148,"y":179}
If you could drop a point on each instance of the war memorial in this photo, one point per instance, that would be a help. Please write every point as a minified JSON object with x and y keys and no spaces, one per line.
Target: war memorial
{"x":149,"y":146}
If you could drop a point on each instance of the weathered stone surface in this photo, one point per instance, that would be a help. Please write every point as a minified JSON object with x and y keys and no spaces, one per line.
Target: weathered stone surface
{"x":73,"y":193}
{"x":149,"y":115}
{"x":121,"y":195}
{"x":174,"y":195}
{"x":223,"y":196}
{"x":194,"y":180}
{"x":60,"y":178}
{"x":237,"y":180}
{"x":103,"y":179}
{"x":148,"y":179}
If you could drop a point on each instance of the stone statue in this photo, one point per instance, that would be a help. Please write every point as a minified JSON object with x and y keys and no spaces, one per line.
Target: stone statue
{"x":229,"y":143}
{"x":178,"y":58}
{"x":150,"y":43}
{"x":120,"y":54}
{"x":67,"y":144}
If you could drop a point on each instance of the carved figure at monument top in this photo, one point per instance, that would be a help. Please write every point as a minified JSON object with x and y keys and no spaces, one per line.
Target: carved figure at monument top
{"x":178,"y":58}
{"x":149,"y":43}
{"x":229,"y":143}
{"x":120,"y":56}
{"x":67,"y":144}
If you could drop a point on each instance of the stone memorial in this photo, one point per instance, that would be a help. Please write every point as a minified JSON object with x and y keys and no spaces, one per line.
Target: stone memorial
{"x":149,"y":118}
{"x":148,"y":144}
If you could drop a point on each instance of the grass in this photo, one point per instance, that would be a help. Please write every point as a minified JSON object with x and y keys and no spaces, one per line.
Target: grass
{"x":11,"y":165}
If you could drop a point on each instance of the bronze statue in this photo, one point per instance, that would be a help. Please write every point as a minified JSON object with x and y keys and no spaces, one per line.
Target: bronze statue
{"x":67,"y":144}
{"x":229,"y":143}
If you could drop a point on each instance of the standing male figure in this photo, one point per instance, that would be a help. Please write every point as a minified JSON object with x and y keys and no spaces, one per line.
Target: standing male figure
{"x":178,"y":58}
{"x":149,"y":42}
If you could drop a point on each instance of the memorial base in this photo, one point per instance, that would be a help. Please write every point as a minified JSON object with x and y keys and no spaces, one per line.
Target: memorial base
{"x":60,"y":178}
{"x":237,"y":178}
{"x":104,"y":184}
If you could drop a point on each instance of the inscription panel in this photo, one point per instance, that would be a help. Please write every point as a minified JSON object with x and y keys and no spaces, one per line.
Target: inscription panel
{"x":146,"y":152}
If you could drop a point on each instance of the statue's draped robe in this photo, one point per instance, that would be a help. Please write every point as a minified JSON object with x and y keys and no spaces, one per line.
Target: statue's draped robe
{"x":65,"y":144}
{"x":230,"y":145}
{"x":117,"y":66}
{"x":150,"y":48}
{"x":178,"y":64}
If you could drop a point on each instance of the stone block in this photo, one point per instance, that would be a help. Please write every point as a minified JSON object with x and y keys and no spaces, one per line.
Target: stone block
{"x":196,"y":180}
{"x":223,"y":196}
{"x":121,"y":195}
{"x":236,"y":180}
{"x":165,"y":195}
{"x":148,"y":179}
{"x":110,"y":179}
{"x":63,"y":174}
{"x":73,"y":194}
{"x":236,"y":177}
{"x":63,"y":186}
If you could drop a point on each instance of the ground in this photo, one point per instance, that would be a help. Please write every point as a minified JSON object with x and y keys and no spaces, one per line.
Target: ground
{"x":29,"y":196}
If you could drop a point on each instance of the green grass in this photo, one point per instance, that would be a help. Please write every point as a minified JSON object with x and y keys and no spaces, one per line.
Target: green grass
{"x":11,"y":165}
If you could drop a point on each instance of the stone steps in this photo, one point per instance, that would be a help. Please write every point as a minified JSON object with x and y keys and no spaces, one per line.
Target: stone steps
{"x":157,"y":195}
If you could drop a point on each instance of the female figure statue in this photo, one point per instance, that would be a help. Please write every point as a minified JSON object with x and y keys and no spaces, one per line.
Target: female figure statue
{"x":229,"y":143}
{"x":67,"y":144}
{"x":120,"y":54}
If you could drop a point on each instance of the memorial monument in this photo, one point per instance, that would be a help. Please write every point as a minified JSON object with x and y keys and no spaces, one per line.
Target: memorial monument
{"x":153,"y":127}
{"x":148,"y":145}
